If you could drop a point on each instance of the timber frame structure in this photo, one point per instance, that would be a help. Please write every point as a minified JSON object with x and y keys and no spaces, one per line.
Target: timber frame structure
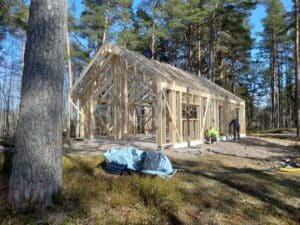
{"x":121,"y":93}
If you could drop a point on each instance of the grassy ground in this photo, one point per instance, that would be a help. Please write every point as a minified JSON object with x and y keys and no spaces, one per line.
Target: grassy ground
{"x":210,"y":190}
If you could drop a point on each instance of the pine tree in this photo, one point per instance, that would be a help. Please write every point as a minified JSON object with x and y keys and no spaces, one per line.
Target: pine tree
{"x":274,"y":30}
{"x":13,"y":15}
{"x":151,"y":25}
{"x":297,"y":66}
{"x":37,"y":170}
{"x":99,"y":16}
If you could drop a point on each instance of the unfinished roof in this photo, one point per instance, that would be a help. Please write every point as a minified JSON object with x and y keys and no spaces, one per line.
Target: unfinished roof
{"x":152,"y":68}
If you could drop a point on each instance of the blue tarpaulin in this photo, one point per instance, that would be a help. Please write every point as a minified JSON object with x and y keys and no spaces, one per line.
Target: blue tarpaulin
{"x":148,"y":162}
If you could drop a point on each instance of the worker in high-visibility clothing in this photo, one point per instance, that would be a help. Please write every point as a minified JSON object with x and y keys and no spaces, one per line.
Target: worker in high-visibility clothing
{"x":213,"y":134}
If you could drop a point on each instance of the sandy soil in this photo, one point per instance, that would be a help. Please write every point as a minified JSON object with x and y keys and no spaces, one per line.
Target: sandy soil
{"x":269,"y":149}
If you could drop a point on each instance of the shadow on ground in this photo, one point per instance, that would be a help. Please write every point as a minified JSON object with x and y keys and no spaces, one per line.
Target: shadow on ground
{"x":203,"y":190}
{"x":259,"y":184}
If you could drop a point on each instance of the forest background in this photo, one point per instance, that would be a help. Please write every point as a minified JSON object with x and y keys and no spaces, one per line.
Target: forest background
{"x":246,"y":46}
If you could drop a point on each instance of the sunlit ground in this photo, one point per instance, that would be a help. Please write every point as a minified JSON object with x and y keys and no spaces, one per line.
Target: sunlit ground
{"x":209,"y":190}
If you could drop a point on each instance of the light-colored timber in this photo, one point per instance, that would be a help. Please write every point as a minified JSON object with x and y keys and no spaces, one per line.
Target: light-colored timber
{"x":123,"y":93}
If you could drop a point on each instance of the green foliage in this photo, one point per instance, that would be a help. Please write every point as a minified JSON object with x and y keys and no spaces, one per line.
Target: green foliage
{"x":87,"y":32}
{"x":274,"y":23}
{"x":13,"y":16}
{"x":171,"y":29}
{"x":276,"y":48}
{"x":174,"y":31}
{"x":93,"y":18}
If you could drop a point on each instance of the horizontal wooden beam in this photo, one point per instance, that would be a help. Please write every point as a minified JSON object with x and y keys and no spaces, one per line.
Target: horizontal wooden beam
{"x":175,"y":87}
{"x":104,"y":100}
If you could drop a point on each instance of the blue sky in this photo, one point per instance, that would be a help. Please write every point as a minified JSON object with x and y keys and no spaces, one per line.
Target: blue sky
{"x":256,"y":22}
{"x":259,"y":13}
{"x":136,"y":3}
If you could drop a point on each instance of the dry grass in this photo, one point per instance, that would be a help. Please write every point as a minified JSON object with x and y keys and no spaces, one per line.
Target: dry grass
{"x":223,"y":194}
{"x":211,"y":190}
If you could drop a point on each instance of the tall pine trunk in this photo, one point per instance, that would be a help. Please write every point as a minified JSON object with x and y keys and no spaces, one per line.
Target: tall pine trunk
{"x":274,"y":80}
{"x":221,"y":71}
{"x":297,"y":67}
{"x":233,"y":78}
{"x":70,"y":79}
{"x":199,"y":51}
{"x":211,"y":51}
{"x":106,"y":23}
{"x":279,"y":82}
{"x":212,"y":36}
{"x":190,"y":49}
{"x":153,"y":41}
{"x":37,"y":171}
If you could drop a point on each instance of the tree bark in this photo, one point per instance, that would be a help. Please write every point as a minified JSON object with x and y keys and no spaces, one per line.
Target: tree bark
{"x":190,"y":49}
{"x":70,"y":79}
{"x":233,"y":78}
{"x":106,"y":23}
{"x":212,"y":34}
{"x":297,"y":67}
{"x":153,"y":41}
{"x":289,"y":92}
{"x":221,"y":71}
{"x":199,"y":51}
{"x":37,"y":171}
{"x":280,"y":115}
{"x":211,"y":49}
{"x":274,"y":80}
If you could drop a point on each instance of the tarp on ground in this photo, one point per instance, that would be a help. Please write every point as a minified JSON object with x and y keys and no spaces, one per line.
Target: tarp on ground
{"x":149,"y":162}
{"x":129,"y":156}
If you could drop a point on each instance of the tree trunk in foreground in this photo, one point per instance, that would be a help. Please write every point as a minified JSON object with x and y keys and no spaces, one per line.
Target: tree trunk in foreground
{"x":70,"y":79}
{"x":37,"y":171}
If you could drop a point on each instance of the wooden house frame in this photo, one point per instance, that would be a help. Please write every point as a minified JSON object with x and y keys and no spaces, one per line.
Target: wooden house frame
{"x":122,"y":93}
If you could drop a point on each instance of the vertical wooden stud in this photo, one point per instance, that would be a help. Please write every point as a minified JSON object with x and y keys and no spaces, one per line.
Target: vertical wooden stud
{"x":78,"y":115}
{"x":82,"y":119}
{"x":115,"y":97}
{"x":172,"y":104}
{"x":179,"y":115}
{"x":92,"y":118}
{"x":125,"y":98}
{"x":153,"y":112}
{"x":198,"y":119}
{"x":161,"y":117}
